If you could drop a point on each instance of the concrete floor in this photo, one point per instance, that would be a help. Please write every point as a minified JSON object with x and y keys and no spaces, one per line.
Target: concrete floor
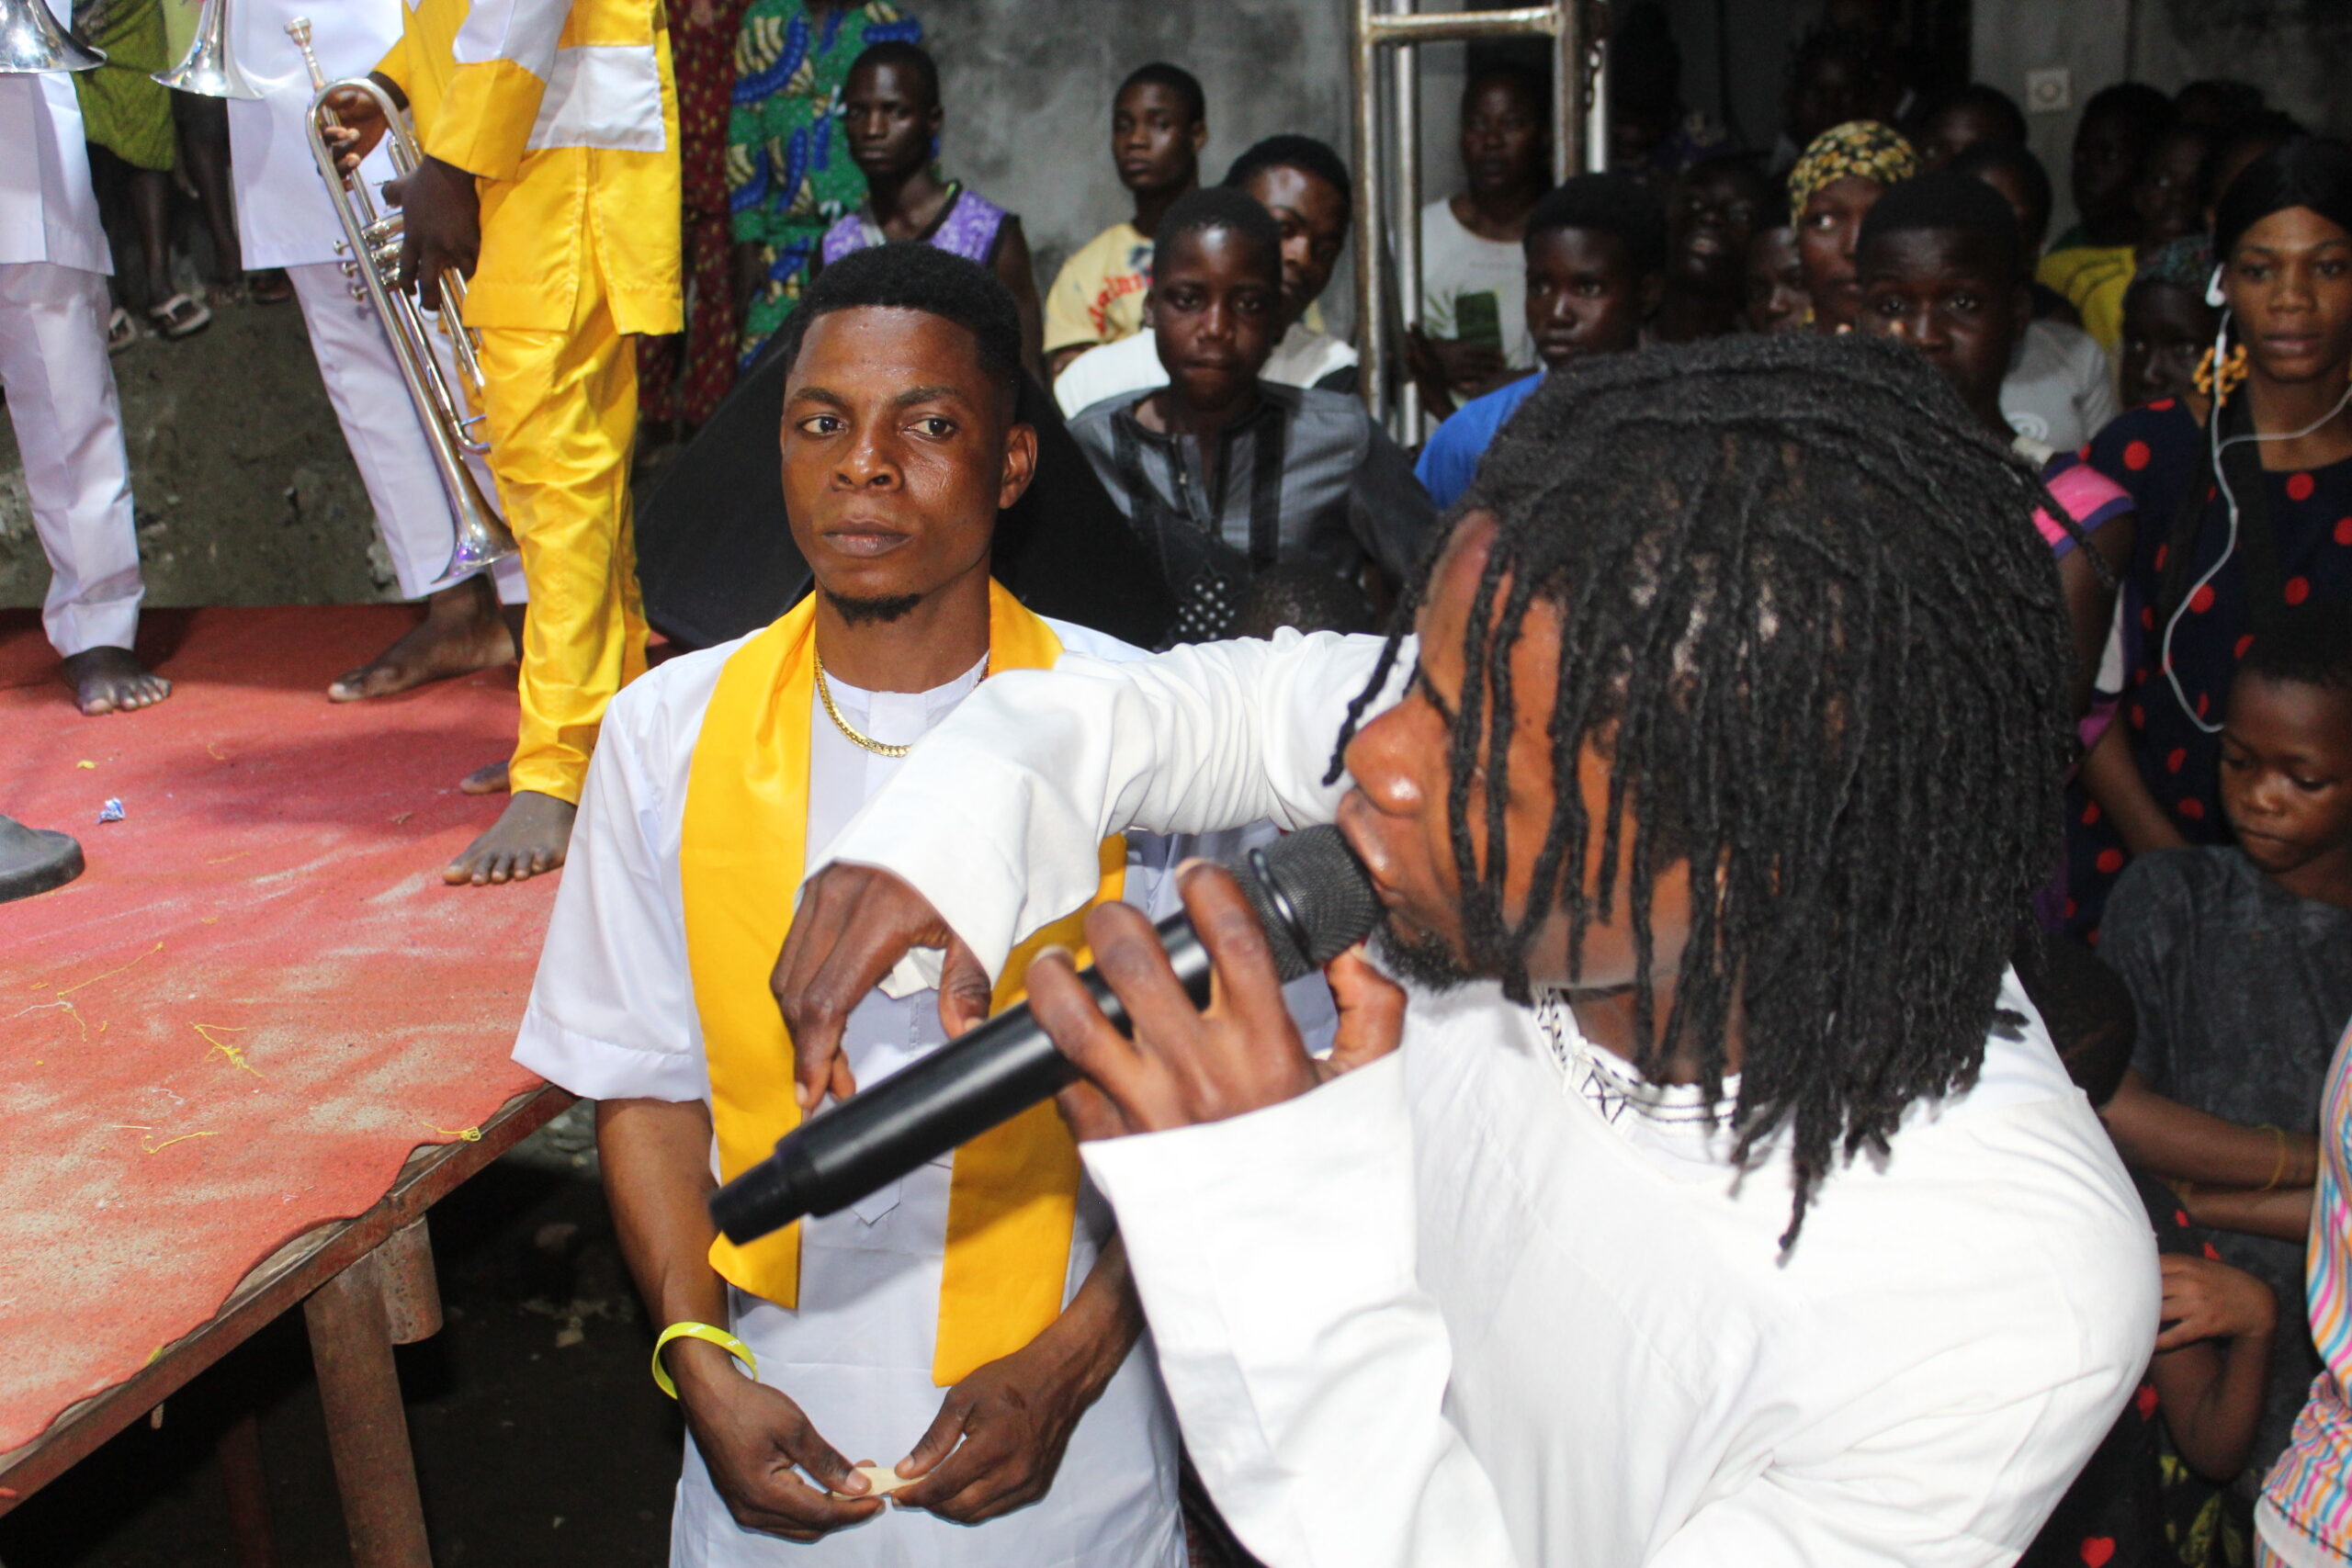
{"x":539,"y":1437}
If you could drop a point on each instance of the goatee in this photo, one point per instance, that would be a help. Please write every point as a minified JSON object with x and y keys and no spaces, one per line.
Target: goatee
{"x":1423,"y":962}
{"x":871,"y":612}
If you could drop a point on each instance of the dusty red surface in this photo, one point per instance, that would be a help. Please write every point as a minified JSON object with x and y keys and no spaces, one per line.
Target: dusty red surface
{"x":258,"y":999}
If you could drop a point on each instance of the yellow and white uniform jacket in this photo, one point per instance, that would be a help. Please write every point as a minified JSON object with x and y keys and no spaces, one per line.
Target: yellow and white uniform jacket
{"x":567,"y":113}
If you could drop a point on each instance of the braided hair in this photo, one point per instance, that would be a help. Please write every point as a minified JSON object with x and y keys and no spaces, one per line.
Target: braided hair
{"x":1812,"y":631}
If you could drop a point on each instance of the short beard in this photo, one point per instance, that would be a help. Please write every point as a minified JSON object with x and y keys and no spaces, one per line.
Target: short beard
{"x":870,"y":612}
{"x":1422,"y":961}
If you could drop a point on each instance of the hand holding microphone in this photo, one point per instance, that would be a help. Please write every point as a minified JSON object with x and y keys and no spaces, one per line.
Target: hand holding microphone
{"x":1173,"y":1064}
{"x":1294,"y":907}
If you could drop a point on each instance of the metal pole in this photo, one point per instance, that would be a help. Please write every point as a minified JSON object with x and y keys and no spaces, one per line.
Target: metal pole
{"x":1596,"y":121}
{"x":246,"y":1484}
{"x":1371,"y":359}
{"x":1377,"y":26}
{"x":1406,"y":68}
{"x":351,"y":1344}
{"x":1567,"y":88}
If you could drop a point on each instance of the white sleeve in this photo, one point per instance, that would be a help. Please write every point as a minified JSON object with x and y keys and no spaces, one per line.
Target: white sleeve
{"x":996,"y":817}
{"x":522,"y":32}
{"x":1274,"y":1255}
{"x":612,"y":1010}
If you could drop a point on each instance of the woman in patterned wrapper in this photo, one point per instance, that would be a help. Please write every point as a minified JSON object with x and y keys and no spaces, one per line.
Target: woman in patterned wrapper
{"x":787,"y":177}
{"x":890,"y":124}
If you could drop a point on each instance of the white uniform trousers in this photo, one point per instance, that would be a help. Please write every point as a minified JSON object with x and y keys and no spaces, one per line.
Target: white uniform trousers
{"x":385,"y":436}
{"x":69,"y":430}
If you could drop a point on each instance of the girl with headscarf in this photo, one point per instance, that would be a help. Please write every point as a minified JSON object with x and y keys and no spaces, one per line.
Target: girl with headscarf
{"x":2222,"y":547}
{"x":1831,"y":189}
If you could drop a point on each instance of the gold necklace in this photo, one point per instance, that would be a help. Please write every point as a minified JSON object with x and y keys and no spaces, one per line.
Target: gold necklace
{"x":825,"y":695}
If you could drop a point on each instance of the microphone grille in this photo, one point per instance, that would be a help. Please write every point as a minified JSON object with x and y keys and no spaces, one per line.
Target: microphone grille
{"x":1321,"y":902}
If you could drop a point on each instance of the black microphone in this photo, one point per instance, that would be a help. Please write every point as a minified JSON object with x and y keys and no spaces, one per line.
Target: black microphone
{"x":1309,"y":893}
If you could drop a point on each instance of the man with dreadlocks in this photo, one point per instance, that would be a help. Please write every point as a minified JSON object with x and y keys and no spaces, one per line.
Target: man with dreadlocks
{"x":1727,"y":1201}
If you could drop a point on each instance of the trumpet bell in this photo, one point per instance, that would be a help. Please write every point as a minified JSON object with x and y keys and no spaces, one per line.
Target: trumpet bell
{"x":33,"y":41}
{"x":207,"y":70}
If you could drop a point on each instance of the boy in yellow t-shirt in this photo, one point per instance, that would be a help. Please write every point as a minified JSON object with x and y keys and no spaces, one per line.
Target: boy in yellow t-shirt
{"x":1159,"y":125}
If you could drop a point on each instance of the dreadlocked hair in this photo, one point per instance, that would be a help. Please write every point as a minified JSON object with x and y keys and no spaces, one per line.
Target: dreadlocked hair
{"x":1811,"y":631}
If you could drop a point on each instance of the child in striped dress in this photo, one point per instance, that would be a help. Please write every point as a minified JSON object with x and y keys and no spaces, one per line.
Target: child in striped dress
{"x":2304,"y":1516}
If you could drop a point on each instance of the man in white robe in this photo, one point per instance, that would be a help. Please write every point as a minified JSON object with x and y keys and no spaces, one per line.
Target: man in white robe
{"x":898,"y":449}
{"x":1508,"y":1296}
{"x":53,"y":265}
{"x":285,"y":218}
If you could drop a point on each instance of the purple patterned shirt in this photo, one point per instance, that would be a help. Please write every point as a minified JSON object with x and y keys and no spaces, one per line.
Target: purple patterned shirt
{"x":968,"y":229}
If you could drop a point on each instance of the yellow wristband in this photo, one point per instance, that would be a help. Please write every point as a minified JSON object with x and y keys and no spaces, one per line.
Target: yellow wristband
{"x":718,"y":1336}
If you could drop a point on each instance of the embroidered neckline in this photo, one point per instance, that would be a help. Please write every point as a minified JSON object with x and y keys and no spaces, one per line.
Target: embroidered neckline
{"x":1611,"y":1087}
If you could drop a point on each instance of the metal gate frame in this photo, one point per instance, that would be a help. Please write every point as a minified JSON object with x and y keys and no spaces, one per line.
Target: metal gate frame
{"x":1579,"y":140}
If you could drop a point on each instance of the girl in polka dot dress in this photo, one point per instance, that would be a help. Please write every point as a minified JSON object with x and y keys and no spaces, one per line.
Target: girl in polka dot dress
{"x":2284,"y":228}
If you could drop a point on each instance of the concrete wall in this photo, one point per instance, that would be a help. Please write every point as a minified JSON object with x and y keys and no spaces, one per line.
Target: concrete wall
{"x":1028,"y":87}
{"x":2297,"y":50}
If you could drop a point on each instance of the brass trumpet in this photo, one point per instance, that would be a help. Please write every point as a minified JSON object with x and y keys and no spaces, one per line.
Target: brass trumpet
{"x":371,"y":248}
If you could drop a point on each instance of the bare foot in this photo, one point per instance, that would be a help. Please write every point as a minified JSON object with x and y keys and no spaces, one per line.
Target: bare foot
{"x":462,"y":632}
{"x":487,"y":779}
{"x":110,"y":680}
{"x":528,"y":840}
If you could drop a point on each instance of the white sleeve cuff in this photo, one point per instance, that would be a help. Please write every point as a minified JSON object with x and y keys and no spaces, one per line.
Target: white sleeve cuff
{"x":598,"y":1069}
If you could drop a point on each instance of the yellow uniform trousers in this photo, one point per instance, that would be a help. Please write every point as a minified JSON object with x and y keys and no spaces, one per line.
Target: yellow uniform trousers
{"x":579,"y":249}
{"x":562,"y":415}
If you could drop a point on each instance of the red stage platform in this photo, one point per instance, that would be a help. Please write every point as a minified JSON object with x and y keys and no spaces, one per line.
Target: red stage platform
{"x":258,"y":999}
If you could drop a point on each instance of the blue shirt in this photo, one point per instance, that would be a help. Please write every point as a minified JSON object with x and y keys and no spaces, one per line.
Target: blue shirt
{"x":1451,"y":458}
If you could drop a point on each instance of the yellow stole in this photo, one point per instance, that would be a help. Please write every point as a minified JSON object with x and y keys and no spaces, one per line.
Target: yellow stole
{"x":1013,"y":1196}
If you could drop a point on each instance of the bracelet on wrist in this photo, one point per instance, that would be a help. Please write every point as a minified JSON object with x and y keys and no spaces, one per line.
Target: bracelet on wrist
{"x":2278,"y":1169}
{"x":703,"y":1331}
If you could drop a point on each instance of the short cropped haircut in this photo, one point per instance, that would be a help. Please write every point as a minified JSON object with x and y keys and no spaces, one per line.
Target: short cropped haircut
{"x":908,"y":274}
{"x":1608,"y":204}
{"x":2003,"y":157}
{"x":1949,"y":202}
{"x":1994,"y":102}
{"x":1824,"y":42}
{"x":1536,"y":85}
{"x":911,"y":57}
{"x":2305,"y":645}
{"x":1304,"y":596}
{"x":1304,"y":153}
{"x":2149,"y":111}
{"x":1176,"y":79}
{"x":1222,"y":207}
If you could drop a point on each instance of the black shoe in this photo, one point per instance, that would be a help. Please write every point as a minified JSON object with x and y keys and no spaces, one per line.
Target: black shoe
{"x":33,"y":860}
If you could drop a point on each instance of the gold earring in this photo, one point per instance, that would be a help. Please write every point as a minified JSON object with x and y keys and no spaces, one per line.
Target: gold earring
{"x":2234,"y":372}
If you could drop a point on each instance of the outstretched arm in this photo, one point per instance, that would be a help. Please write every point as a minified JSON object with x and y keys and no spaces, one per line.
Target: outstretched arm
{"x":993,"y":827}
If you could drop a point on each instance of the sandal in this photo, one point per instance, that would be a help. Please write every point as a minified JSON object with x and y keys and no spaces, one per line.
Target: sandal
{"x":271,"y":288}
{"x":121,"y":330}
{"x":179,"y":316}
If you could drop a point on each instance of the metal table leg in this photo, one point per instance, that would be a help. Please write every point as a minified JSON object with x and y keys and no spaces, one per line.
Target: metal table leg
{"x":247,"y":1485}
{"x":351,"y":1344}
